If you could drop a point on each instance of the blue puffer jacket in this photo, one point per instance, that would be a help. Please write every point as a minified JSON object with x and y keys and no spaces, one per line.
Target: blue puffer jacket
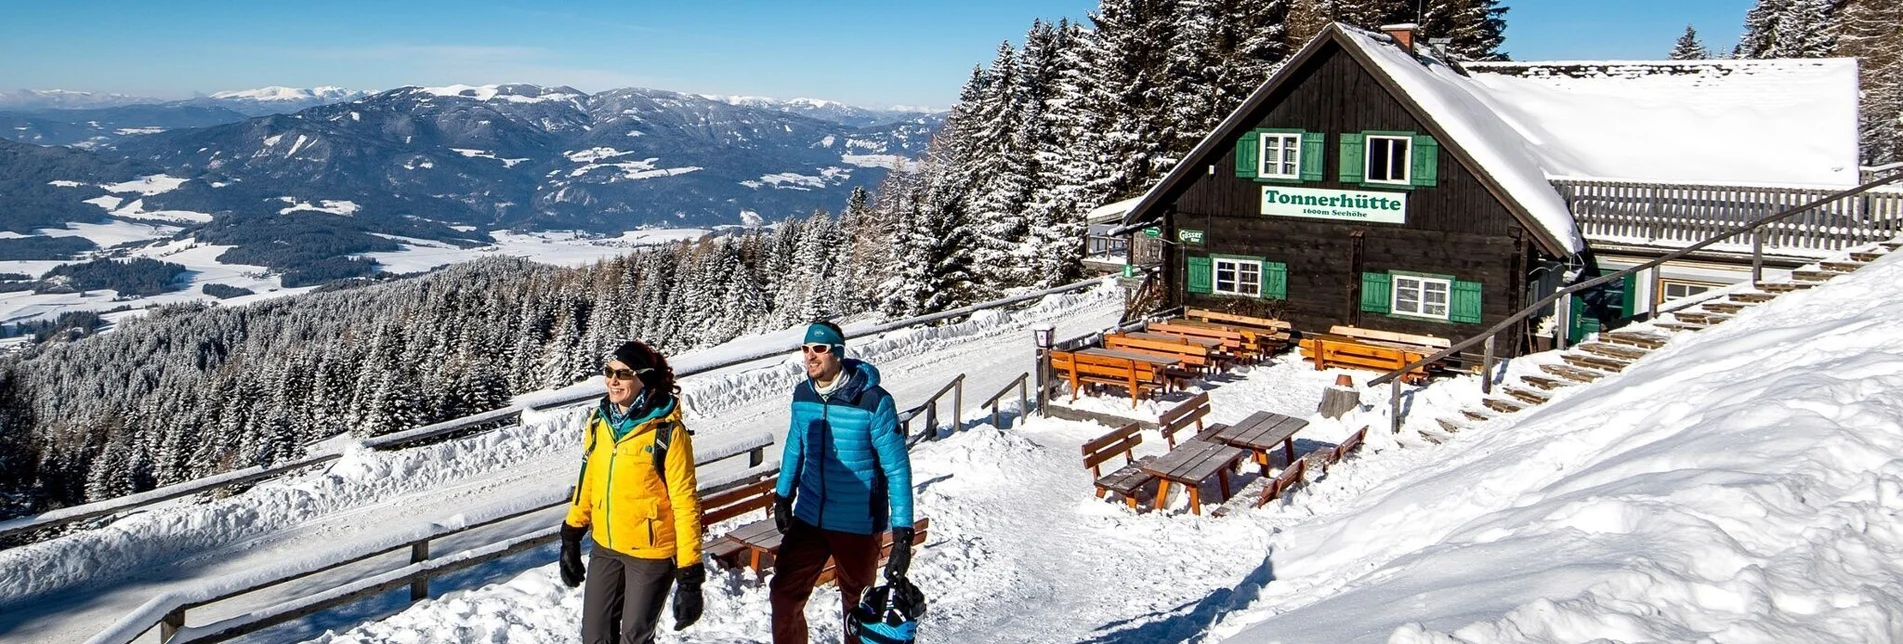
{"x":847,"y":457}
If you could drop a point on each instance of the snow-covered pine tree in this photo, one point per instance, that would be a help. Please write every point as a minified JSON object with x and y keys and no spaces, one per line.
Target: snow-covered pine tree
{"x":1790,"y":29}
{"x":1000,"y":157}
{"x":1872,"y":32}
{"x":1476,"y":28}
{"x":1688,"y":47}
{"x":1306,"y":18}
{"x":1810,"y":29}
{"x":1132,"y":59}
{"x":1761,"y":29}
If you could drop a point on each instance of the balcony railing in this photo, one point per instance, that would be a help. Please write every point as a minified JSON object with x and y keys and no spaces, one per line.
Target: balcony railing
{"x":1678,"y":215}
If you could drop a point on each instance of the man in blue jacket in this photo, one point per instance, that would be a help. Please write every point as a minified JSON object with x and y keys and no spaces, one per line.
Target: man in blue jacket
{"x":844,"y":479}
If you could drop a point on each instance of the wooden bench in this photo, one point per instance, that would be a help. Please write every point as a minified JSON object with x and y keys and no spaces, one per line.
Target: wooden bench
{"x":1182,"y":416}
{"x":760,"y":541}
{"x":1196,"y":358}
{"x":1332,"y":350}
{"x":1346,"y":447}
{"x":1288,"y":479}
{"x":1140,"y":377}
{"x":1268,"y":331}
{"x":1234,"y":343}
{"x":756,"y":494}
{"x":1129,"y":480}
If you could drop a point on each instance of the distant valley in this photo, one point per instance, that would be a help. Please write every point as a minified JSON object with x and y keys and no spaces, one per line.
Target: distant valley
{"x":251,"y":193}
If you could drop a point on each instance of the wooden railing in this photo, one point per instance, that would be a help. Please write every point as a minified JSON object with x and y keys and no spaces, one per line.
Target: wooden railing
{"x":1675,"y":215}
{"x":1021,"y":383}
{"x":930,"y":410}
{"x":168,"y":611}
{"x":1749,"y":227}
{"x":31,"y":528}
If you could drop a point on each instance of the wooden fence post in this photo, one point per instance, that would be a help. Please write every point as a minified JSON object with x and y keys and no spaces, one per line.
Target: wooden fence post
{"x":419,"y":553}
{"x":958,"y":403}
{"x":171,"y":623}
{"x":1486,"y":371}
{"x":1024,"y":402}
{"x":1394,"y":404}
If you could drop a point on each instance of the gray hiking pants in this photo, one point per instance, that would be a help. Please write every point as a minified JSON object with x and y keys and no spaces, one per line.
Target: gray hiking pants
{"x":623,"y":598}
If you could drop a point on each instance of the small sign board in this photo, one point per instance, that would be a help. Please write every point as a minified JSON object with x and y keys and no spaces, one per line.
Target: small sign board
{"x":1129,"y":271}
{"x":1153,"y":232}
{"x":1188,"y":236}
{"x":1342,"y":205}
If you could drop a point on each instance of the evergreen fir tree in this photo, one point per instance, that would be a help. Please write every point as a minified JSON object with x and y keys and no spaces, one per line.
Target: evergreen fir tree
{"x":1872,"y":32}
{"x":1688,"y":47}
{"x":1475,"y":28}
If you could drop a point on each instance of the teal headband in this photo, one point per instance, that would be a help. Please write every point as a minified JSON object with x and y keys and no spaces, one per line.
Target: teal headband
{"x":822,"y":334}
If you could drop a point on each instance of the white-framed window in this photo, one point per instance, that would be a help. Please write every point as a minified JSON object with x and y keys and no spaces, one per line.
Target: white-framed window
{"x":1280,"y":155}
{"x":1674,"y":289}
{"x":1238,"y":277}
{"x":1418,"y":296}
{"x":1390,"y":159}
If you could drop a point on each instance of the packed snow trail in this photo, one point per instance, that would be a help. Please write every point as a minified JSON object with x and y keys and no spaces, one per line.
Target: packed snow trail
{"x":69,"y":588}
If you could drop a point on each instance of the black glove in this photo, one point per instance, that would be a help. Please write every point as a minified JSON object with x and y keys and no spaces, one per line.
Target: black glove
{"x":901,"y":558}
{"x":687,"y":599}
{"x":572,"y":571}
{"x":783,"y":513}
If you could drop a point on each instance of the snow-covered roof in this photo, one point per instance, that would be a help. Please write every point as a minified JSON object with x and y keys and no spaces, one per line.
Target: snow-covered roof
{"x":1113,"y":212}
{"x":1448,"y":99}
{"x":1729,"y":121}
{"x":1442,"y":97}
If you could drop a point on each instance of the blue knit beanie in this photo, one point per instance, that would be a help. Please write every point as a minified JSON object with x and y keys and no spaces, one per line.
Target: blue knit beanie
{"x":825,"y":333}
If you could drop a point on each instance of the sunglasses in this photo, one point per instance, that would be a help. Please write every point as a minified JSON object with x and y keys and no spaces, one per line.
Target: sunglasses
{"x":612,"y":373}
{"x":820,"y":349}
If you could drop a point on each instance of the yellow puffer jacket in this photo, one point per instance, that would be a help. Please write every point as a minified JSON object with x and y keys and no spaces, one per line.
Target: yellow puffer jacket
{"x":619,"y":492}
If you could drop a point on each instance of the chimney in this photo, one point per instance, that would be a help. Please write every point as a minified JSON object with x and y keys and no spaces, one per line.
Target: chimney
{"x":1403,"y":33}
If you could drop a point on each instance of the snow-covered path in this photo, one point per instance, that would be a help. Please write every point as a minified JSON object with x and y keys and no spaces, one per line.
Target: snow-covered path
{"x":1741,"y":485}
{"x":69,"y":588}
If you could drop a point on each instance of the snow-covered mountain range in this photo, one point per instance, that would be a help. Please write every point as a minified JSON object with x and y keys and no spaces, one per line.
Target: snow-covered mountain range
{"x":446,"y":165}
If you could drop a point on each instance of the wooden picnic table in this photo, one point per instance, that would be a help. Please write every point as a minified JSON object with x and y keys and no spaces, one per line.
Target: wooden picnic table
{"x":1161,"y":361}
{"x":1206,"y":343}
{"x":1190,"y":464}
{"x":1263,"y":431}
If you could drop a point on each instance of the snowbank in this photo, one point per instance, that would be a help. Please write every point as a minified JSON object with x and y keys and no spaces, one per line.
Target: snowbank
{"x":1757,"y":502}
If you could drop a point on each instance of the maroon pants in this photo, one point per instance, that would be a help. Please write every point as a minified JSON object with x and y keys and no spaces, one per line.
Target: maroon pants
{"x":803,"y":553}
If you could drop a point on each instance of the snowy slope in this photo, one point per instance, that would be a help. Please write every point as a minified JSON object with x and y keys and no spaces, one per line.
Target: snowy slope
{"x":1756,"y":503}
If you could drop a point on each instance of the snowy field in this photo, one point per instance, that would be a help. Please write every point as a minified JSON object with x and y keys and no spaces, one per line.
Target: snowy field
{"x":1755,"y":503}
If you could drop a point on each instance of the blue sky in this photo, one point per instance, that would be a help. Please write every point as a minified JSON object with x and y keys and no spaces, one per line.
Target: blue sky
{"x":911,"y":52}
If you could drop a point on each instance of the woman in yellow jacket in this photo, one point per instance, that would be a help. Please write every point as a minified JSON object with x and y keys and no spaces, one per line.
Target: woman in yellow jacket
{"x":637,"y":491}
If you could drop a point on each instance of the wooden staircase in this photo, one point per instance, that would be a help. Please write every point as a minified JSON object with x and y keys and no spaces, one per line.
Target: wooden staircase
{"x":1608,"y":353}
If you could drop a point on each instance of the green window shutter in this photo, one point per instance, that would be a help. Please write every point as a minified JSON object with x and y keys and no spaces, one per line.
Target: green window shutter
{"x":1312,"y":146}
{"x":1465,"y":303}
{"x":1202,"y":275}
{"x":1629,"y":306}
{"x":1248,"y":149}
{"x":1274,"y":280}
{"x":1353,"y":146}
{"x":1426,"y":161}
{"x":1377,"y":289}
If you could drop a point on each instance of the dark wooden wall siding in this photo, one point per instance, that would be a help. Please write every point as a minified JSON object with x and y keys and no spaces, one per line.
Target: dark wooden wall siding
{"x":1456,"y":228}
